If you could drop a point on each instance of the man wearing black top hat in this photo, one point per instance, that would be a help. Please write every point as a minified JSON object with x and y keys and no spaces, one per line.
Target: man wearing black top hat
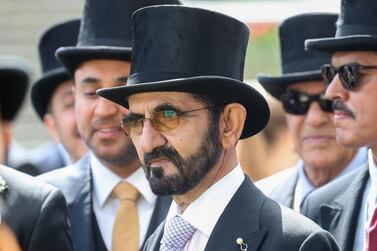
{"x":35,"y":212}
{"x":301,"y":91}
{"x":347,"y":207}
{"x":188,"y":107}
{"x":97,"y":187}
{"x":53,"y":100}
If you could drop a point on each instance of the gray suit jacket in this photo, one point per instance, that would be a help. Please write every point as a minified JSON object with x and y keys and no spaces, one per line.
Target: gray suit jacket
{"x":336,"y":206}
{"x":262,"y":223}
{"x":281,"y":186}
{"x":36,"y":212}
{"x":76,"y":183}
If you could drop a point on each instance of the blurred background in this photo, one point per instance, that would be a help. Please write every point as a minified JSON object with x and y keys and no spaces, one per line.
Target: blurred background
{"x":23,"y":21}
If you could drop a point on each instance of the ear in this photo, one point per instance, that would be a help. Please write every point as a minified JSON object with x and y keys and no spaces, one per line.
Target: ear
{"x":50,"y":123}
{"x":231,"y":124}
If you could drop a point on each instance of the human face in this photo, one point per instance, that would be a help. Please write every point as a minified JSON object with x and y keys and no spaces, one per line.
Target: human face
{"x":175,"y":161}
{"x":314,"y":133}
{"x":98,"y":118}
{"x":355,"y":115}
{"x":62,"y":121}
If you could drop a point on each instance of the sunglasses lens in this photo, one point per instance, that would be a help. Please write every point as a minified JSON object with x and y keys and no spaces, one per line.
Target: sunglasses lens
{"x":348,"y":76}
{"x":295,"y":103}
{"x":132,"y":127}
{"x":164,"y":121}
{"x":328,"y":73}
{"x":325,"y":104}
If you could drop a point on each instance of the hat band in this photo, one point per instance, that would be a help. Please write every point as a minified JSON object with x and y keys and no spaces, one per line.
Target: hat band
{"x":104,"y":42}
{"x":348,"y":30}
{"x":146,"y":77}
{"x":305,"y":65}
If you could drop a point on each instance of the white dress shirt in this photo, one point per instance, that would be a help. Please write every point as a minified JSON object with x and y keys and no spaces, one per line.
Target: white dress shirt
{"x":304,"y":187}
{"x":204,"y":212}
{"x":105,"y":205}
{"x":368,"y":205}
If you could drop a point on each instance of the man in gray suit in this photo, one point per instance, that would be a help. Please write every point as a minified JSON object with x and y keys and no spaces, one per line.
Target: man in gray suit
{"x":309,"y":114}
{"x":35,"y":212}
{"x":347,"y":206}
{"x":188,"y":106}
{"x":96,"y":208}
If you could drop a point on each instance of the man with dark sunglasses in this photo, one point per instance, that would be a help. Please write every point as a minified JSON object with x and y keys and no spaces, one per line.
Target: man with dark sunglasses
{"x":188,"y":107}
{"x":308,"y":113}
{"x":347,"y":207}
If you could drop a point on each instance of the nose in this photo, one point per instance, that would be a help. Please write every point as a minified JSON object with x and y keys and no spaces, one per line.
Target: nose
{"x":335,"y":90}
{"x":106,"y":108}
{"x":150,"y":138}
{"x":316,"y":116}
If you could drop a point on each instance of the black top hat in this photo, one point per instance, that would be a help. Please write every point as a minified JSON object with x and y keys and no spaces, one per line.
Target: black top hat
{"x":105,"y":31}
{"x":185,"y":49}
{"x":14,"y":81}
{"x":62,"y":34}
{"x":356,"y":29}
{"x":297,"y":64}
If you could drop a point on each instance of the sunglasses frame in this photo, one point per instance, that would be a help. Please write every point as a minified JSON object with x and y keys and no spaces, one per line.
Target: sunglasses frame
{"x":293,"y":95}
{"x":348,"y":74}
{"x":155,"y":122}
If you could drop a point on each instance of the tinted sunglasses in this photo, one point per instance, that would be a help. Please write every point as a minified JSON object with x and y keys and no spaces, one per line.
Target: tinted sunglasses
{"x":349,"y":74}
{"x":298,"y":103}
{"x":162,"y":121}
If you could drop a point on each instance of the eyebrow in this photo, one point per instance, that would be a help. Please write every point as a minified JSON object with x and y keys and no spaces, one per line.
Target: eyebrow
{"x":132,"y":116}
{"x":92,"y":80}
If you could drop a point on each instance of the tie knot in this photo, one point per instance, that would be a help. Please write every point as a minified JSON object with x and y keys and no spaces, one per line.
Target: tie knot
{"x":177,"y":233}
{"x":126,"y":191}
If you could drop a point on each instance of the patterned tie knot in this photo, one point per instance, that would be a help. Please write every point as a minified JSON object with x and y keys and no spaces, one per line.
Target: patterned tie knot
{"x":125,"y":191}
{"x":176,"y":235}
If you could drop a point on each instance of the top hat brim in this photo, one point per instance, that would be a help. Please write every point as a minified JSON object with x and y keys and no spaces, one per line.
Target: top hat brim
{"x":344,"y":43}
{"x":277,"y":85}
{"x":72,"y":57}
{"x":43,"y":89}
{"x":13,"y":91}
{"x":226,"y":89}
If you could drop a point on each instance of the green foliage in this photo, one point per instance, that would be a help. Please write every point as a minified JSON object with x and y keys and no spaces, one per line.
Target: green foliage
{"x":263,"y":54}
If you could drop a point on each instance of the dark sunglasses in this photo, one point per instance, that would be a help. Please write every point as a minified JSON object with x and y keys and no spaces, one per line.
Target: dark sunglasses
{"x":348,"y":74}
{"x":298,"y":103}
{"x":162,"y":121}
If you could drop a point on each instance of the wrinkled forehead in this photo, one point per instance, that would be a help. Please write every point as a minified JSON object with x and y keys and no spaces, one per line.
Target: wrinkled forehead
{"x":148,"y":101}
{"x":360,"y":57}
{"x":309,"y":87}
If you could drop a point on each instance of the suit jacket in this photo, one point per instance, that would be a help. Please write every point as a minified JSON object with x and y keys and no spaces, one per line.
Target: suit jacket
{"x":76,"y":183}
{"x":336,"y":206}
{"x":262,"y":223}
{"x":281,"y":186}
{"x":36,"y":213}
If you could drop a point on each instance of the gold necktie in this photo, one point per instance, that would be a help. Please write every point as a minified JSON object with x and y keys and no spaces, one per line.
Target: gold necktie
{"x":126,"y":226}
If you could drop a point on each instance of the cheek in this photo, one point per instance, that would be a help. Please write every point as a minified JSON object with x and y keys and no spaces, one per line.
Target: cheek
{"x":295,"y":124}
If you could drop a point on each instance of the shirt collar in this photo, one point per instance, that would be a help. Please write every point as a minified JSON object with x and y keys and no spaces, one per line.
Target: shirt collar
{"x":104,"y":181}
{"x":205,"y":211}
{"x":360,"y":158}
{"x":373,"y":177}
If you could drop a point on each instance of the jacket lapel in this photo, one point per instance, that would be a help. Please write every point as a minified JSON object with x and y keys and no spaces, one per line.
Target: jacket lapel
{"x":342,"y":220}
{"x":240,"y":219}
{"x":80,"y":211}
{"x":159,"y":214}
{"x":288,"y":190}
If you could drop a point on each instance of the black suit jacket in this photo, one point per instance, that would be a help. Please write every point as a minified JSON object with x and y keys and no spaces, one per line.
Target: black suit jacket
{"x":262,"y":223}
{"x":36,"y":212}
{"x":76,"y":183}
{"x":336,"y":206}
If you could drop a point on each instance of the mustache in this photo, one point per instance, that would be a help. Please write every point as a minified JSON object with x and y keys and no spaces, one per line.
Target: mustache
{"x":109,"y":121}
{"x":339,"y":105}
{"x":166,"y":152}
